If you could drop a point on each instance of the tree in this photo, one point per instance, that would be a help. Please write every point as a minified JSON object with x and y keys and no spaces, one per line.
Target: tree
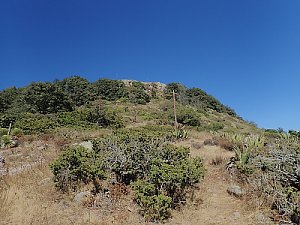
{"x":110,"y":89}
{"x":179,"y":89}
{"x":79,"y":89}
{"x":7,"y":96}
{"x":47,"y":98}
{"x":137,"y":93}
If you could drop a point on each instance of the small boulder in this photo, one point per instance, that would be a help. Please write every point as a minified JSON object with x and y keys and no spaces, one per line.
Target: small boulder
{"x":81,"y":196}
{"x":44,"y":181}
{"x":2,"y":160}
{"x":14,"y":142}
{"x":197,"y":145}
{"x":235,"y":190}
{"x":87,"y":144}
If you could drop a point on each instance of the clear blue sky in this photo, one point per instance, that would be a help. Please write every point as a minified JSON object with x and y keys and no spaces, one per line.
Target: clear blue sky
{"x":245,"y":53}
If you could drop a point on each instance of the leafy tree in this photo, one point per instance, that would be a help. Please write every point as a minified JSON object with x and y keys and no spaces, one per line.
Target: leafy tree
{"x":137,"y":93}
{"x":199,"y":98}
{"x":47,"y":98}
{"x":79,"y":89}
{"x":110,"y":89}
{"x":178,"y":88}
{"x":7,"y":96}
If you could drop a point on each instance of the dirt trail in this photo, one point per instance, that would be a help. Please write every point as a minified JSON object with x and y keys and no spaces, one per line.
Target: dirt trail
{"x":216,"y":205}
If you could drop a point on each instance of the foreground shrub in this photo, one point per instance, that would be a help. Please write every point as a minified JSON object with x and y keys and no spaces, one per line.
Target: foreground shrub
{"x":161,"y":174}
{"x":154,"y":206}
{"x":75,"y":166}
{"x":272,"y":170}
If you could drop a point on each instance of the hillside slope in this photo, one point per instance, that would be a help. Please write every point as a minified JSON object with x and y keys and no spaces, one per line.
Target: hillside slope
{"x":108,"y":153}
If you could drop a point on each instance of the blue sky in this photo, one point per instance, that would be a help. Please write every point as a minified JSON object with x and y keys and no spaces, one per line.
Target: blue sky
{"x":245,"y":53}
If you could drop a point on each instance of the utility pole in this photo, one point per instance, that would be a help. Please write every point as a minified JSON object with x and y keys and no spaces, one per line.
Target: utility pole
{"x":174,"y":105}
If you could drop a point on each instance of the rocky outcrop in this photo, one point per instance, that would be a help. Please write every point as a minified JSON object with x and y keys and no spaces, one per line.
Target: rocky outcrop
{"x":235,"y":190}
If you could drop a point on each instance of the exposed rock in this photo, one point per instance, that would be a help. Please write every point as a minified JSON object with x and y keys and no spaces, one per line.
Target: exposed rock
{"x":197,"y":145}
{"x":263,"y":219}
{"x":236,"y":215}
{"x":235,"y":190}
{"x":210,"y":142}
{"x":14,"y":142}
{"x":81,"y":196}
{"x":87,"y":145}
{"x":2,"y":160}
{"x":149,"y":86}
{"x":44,"y":181}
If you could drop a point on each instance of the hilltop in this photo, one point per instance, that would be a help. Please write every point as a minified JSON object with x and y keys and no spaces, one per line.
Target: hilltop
{"x":110,"y":152}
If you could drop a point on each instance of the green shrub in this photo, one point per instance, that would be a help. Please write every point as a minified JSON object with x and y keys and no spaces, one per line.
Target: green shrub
{"x":5,"y":140}
{"x":137,"y":93}
{"x":75,"y":166}
{"x":3,"y":131}
{"x":154,"y":207}
{"x":128,"y":158}
{"x":216,"y":126}
{"x":110,"y":89}
{"x":172,"y":177}
{"x":46,"y":97}
{"x":138,"y":96}
{"x":16,"y":132}
{"x":103,"y":117}
{"x":178,"y":88}
{"x":160,"y":173}
{"x":79,"y":89}
{"x":180,"y":133}
{"x":189,"y":117}
{"x":35,"y":123}
{"x":73,"y":119}
{"x":5,"y":120}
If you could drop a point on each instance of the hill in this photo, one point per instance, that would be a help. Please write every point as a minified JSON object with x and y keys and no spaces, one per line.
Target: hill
{"x":109,"y":152}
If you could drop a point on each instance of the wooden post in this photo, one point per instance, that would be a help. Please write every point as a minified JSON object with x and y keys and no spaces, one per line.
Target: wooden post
{"x":9,"y":129}
{"x":174,"y":105}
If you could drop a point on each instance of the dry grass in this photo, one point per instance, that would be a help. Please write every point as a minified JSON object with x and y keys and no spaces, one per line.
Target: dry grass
{"x":218,"y":160}
{"x":28,"y":195}
{"x":31,"y":198}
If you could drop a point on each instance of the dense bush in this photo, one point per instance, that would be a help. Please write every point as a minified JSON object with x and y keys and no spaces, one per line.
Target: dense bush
{"x":137,"y":93}
{"x":154,"y":206}
{"x":110,"y":89}
{"x":178,"y":88}
{"x":79,"y":89}
{"x":271,"y":170}
{"x":196,"y":98}
{"x":46,"y":97}
{"x":167,"y":169}
{"x":187,"y":116}
{"x":75,"y":166}
{"x":103,"y":117}
{"x":75,"y":118}
{"x":216,"y":126}
{"x":7,"y":97}
{"x":32,"y":123}
{"x":160,"y":173}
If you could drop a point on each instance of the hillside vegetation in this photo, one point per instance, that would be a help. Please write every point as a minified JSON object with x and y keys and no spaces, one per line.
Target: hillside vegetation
{"x":110,"y":152}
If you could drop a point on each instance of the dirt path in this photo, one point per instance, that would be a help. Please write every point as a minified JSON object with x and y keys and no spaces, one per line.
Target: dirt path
{"x":216,"y":205}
